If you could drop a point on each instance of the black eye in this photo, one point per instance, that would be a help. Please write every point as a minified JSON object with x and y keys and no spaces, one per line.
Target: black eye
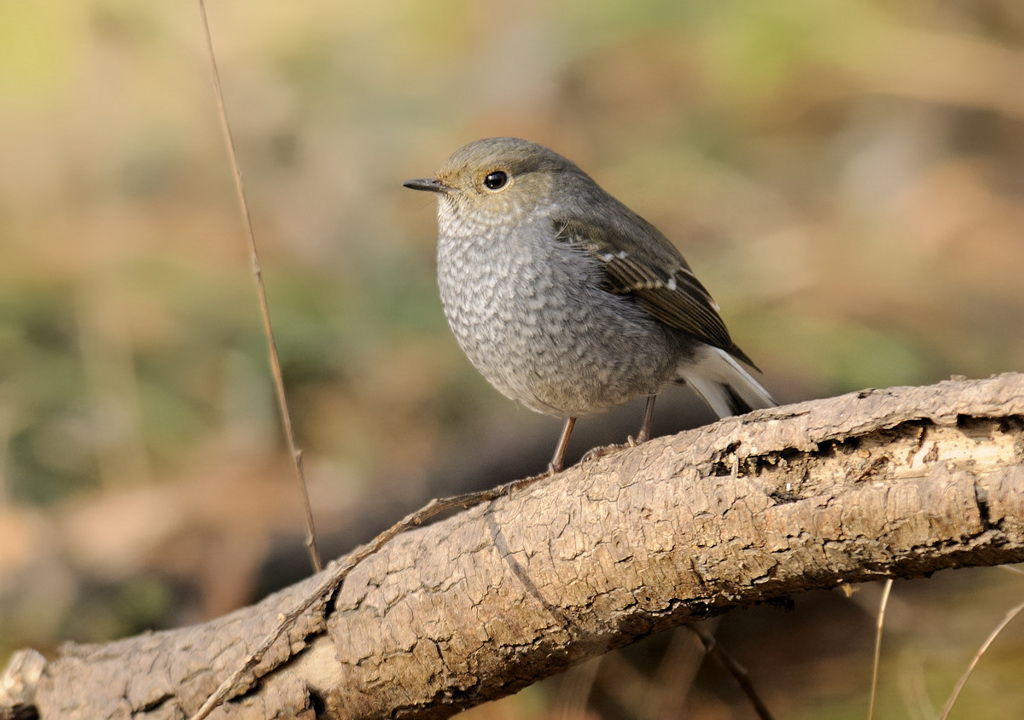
{"x":496,"y":180}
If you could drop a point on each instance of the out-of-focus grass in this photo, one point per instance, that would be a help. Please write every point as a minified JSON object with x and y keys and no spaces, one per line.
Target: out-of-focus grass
{"x":845,"y":177}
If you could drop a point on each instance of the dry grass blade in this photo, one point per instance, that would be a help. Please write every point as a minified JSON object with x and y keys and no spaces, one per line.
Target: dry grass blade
{"x":977,"y":656}
{"x":275,"y":362}
{"x":880,"y":624}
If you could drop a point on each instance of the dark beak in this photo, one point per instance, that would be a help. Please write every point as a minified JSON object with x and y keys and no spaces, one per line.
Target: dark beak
{"x":429,"y":184}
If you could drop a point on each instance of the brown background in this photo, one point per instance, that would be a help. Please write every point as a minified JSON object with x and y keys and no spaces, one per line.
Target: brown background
{"x":847,"y":178}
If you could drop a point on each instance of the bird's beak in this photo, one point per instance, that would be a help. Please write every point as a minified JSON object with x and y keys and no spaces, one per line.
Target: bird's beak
{"x":429,"y":184}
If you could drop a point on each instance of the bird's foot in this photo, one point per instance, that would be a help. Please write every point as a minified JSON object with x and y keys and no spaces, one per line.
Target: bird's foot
{"x":631,"y":442}
{"x":600,"y":452}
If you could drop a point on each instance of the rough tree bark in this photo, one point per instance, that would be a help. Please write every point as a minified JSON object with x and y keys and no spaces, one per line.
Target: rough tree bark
{"x":881,"y":483}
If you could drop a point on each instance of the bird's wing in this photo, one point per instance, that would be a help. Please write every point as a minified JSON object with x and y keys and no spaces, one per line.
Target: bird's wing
{"x":652,"y":270}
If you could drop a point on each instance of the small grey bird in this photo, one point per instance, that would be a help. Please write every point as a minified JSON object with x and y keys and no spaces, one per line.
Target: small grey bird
{"x":568,"y":301}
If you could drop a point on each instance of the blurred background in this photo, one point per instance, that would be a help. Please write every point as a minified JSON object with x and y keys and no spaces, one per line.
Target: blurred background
{"x":847,"y":178}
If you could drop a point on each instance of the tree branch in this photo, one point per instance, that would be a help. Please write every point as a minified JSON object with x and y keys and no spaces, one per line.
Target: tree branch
{"x":882,"y":483}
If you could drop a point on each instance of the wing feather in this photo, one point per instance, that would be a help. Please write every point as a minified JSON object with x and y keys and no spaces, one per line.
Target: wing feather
{"x":656,"y":274}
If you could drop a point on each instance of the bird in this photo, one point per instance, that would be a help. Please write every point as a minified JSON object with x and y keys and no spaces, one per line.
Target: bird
{"x":567,"y":301}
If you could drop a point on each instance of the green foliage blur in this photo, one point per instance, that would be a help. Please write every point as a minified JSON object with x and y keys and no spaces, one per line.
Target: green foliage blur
{"x":846,"y":177}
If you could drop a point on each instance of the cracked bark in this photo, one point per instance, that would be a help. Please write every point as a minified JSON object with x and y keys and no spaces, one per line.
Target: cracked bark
{"x":882,"y":483}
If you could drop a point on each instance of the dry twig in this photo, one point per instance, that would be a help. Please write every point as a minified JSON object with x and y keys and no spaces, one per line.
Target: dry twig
{"x":257,"y":271}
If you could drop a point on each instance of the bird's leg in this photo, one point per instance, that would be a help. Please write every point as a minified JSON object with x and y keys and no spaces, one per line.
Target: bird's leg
{"x":643,"y":436}
{"x":645,"y":430}
{"x":563,"y":442}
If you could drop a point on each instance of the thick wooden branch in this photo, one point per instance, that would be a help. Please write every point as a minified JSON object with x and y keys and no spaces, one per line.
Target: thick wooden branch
{"x":882,"y":483}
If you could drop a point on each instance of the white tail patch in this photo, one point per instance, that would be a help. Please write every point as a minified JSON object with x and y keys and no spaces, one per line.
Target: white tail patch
{"x":721,"y":381}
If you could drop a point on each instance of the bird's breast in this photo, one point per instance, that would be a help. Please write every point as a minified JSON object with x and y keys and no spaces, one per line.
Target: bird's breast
{"x":531,"y":316}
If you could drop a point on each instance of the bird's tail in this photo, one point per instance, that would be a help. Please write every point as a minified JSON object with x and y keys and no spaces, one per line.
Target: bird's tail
{"x":723,"y":383}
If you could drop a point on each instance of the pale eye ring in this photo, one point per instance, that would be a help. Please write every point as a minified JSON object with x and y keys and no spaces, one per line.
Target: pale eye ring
{"x":496,"y":180}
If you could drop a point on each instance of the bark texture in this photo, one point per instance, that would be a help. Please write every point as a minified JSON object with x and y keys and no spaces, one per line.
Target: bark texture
{"x":882,"y":483}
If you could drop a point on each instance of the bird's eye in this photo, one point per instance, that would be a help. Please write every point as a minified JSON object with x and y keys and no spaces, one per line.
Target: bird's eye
{"x":496,"y":180}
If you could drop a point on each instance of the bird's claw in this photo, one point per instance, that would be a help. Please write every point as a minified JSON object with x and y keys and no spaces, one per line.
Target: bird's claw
{"x":600,"y":452}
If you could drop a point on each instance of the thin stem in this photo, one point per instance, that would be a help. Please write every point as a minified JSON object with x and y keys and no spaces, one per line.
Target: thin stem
{"x":715,"y":650}
{"x":880,"y":623}
{"x":977,"y":656}
{"x":275,"y":362}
